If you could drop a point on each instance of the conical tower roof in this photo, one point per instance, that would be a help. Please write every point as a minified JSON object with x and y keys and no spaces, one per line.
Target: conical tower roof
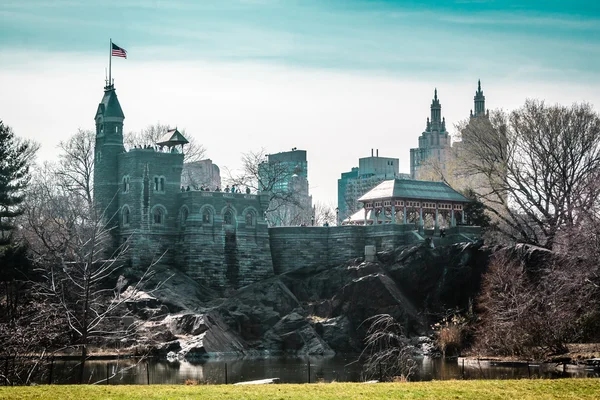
{"x":110,"y":106}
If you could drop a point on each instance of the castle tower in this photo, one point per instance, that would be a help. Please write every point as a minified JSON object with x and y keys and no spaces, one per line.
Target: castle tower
{"x":479,"y":101}
{"x":109,"y":144}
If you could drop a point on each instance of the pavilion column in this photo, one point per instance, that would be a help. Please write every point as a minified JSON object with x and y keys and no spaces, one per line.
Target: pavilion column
{"x":421,"y":224}
{"x":393,"y":213}
{"x":452,"y":220}
{"x":462,"y":215}
{"x":435,"y":224}
{"x":404,"y":214}
{"x":366,"y":212}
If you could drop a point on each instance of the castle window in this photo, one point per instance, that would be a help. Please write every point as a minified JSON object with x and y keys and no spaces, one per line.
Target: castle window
{"x":228,"y":217}
{"x":159,"y":184}
{"x":250,"y":219}
{"x":206,"y":217}
{"x":126,"y":215}
{"x":125,"y":184}
{"x":158,"y":216}
{"x":183,"y":216}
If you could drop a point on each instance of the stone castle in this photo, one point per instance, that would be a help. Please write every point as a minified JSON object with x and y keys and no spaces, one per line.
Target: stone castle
{"x":217,"y":238}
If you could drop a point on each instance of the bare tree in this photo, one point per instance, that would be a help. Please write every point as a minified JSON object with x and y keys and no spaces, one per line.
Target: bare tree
{"x":324,"y":214}
{"x":539,"y":164}
{"x":76,"y":164}
{"x":194,"y":151}
{"x":287,"y":203}
{"x":77,"y":268}
{"x":506,"y":297}
{"x":387,"y":353}
{"x":533,"y":306}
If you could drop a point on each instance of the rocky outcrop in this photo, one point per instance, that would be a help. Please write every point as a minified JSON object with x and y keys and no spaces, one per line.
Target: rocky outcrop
{"x":195,"y":336}
{"x":314,"y":310}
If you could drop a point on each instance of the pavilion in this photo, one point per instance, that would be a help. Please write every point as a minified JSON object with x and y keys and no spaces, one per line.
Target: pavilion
{"x":402,"y":201}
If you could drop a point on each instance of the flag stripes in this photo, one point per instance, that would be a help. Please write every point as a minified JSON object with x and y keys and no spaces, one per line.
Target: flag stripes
{"x":118,"y":51}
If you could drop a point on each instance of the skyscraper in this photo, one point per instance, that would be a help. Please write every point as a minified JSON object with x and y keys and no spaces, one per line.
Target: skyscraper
{"x":371,"y":171}
{"x":285,"y":176}
{"x":434,"y":142}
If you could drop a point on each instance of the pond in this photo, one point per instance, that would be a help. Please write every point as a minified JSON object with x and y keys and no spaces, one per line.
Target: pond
{"x":288,"y":370}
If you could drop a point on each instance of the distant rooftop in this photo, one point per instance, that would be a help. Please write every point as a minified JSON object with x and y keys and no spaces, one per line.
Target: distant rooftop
{"x":288,"y":156}
{"x":413,"y":189}
{"x":172,"y":138}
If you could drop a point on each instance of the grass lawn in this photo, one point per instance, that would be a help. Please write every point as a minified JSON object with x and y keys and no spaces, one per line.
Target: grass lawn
{"x":537,"y":389}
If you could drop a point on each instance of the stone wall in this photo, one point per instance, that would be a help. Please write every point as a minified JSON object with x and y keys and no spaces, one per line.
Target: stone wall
{"x":297,"y":247}
{"x":222,"y":253}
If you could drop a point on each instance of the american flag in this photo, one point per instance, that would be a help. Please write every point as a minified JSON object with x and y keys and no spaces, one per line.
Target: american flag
{"x":118,"y":51}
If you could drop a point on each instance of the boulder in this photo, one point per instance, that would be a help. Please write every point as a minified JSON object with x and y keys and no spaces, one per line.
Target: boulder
{"x":371,"y":295}
{"x":310,"y":285}
{"x":293,"y":334}
{"x":186,"y":324}
{"x":255,"y":309}
{"x":440,"y":278}
{"x":339,"y":334}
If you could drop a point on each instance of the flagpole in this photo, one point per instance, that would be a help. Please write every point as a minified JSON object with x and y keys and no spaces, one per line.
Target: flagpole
{"x":110,"y":64}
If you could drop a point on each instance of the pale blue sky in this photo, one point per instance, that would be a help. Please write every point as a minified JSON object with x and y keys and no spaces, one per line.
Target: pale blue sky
{"x":397,"y":37}
{"x":333,"y":77}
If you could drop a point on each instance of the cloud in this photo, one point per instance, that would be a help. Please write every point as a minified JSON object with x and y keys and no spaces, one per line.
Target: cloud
{"x":334,"y":78}
{"x":337,"y":116}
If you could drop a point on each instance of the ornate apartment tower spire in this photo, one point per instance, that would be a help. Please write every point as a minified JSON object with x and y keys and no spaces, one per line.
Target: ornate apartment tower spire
{"x":436,"y":112}
{"x":479,"y":101}
{"x":109,"y":144}
{"x":433,"y":142}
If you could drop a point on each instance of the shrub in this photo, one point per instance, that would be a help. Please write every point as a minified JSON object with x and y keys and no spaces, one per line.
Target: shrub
{"x":387,"y":354}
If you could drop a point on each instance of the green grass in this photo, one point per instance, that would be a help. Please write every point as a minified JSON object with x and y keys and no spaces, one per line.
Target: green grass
{"x":503,"y":389}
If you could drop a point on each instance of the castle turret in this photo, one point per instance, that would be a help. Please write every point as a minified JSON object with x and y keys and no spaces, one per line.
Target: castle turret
{"x":479,"y":101}
{"x":109,"y":143}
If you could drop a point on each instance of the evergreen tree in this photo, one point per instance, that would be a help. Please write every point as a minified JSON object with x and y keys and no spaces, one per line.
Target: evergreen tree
{"x":15,"y":156}
{"x":14,"y":175}
{"x":475,"y":210}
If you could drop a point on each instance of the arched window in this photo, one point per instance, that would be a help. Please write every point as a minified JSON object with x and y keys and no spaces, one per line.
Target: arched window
{"x":126,"y":215}
{"x":206,"y":216}
{"x":183,"y":216}
{"x":125,"y":184}
{"x":228,"y":217}
{"x":158,"y":216}
{"x":162,"y":184}
{"x":249,"y":219}
{"x":156,"y":183}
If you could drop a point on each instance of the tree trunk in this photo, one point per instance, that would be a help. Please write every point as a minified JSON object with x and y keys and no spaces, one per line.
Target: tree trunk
{"x":82,"y":359}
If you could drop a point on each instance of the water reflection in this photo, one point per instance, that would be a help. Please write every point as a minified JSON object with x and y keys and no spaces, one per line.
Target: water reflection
{"x":288,"y":370}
